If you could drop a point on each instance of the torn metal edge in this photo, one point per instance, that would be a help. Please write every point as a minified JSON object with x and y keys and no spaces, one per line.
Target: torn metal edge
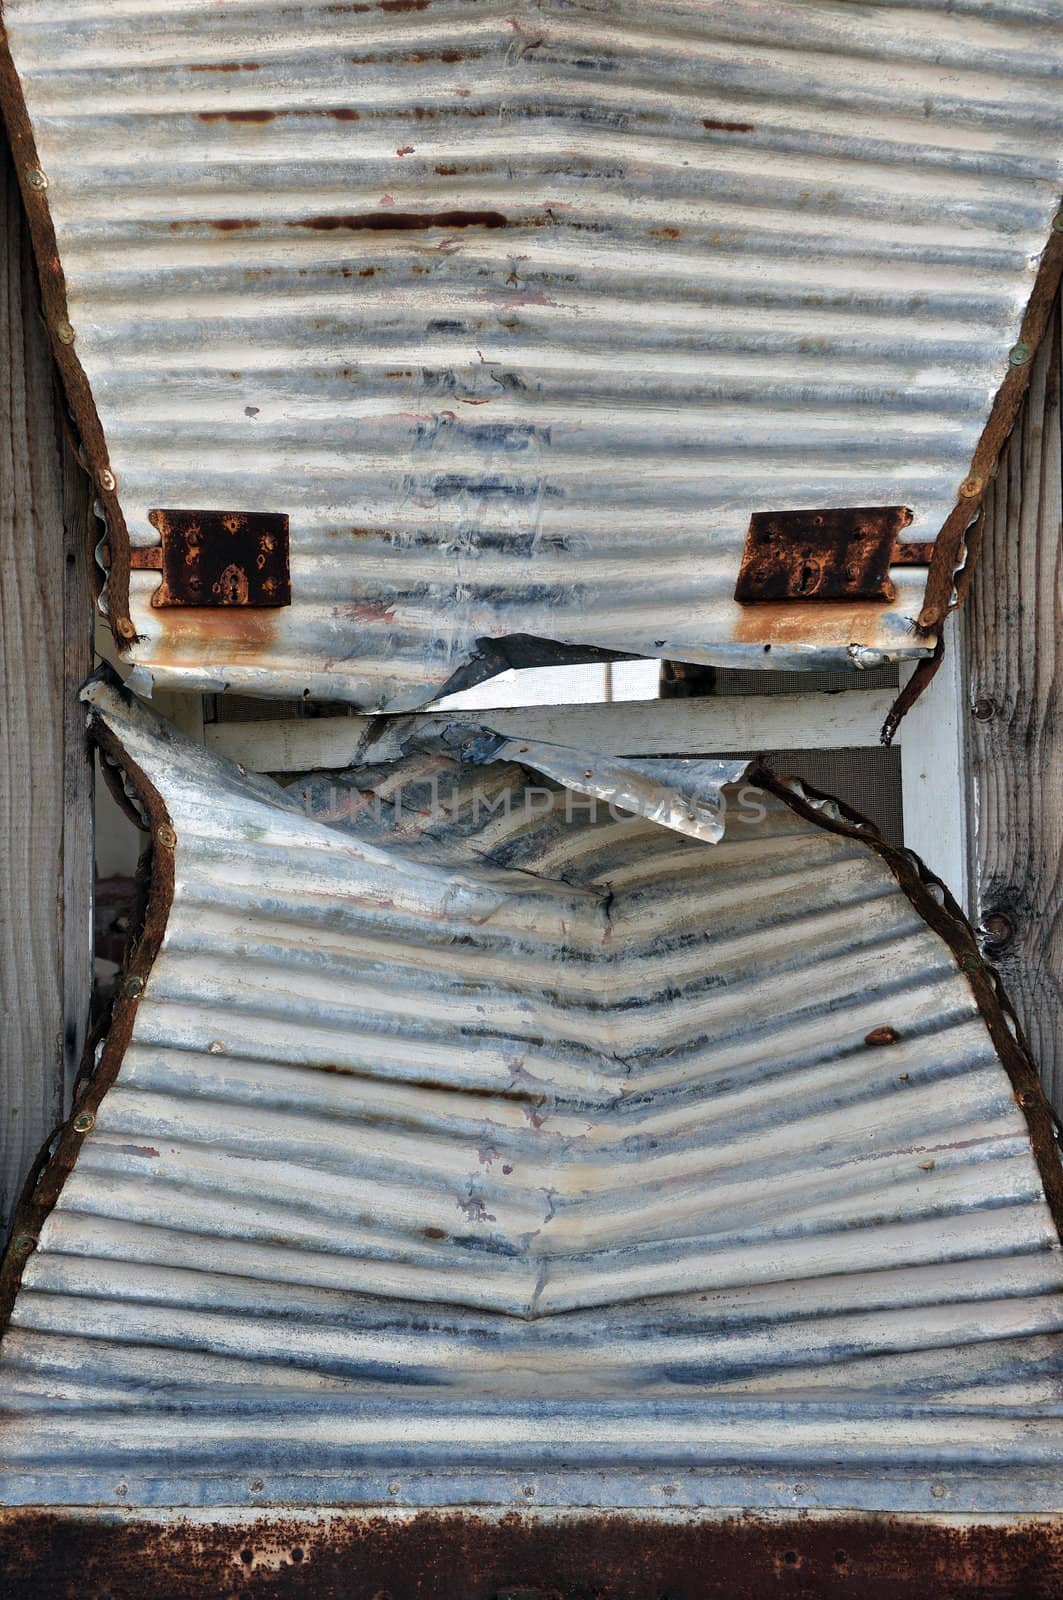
{"x":927,"y":894}
{"x":948,"y":545}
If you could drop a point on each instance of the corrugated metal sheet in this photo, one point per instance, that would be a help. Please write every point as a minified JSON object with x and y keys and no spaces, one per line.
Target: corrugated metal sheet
{"x":520,"y":312}
{"x":462,"y":1152}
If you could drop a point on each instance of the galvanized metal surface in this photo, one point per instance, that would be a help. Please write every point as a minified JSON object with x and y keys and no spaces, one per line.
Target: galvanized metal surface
{"x":520,"y":312}
{"x":462,"y":1152}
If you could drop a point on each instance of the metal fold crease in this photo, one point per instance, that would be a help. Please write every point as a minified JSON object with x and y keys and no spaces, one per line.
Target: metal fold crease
{"x":459,"y":1131}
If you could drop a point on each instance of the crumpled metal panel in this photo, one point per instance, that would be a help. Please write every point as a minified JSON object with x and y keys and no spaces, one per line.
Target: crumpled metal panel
{"x":520,"y":312}
{"x":452,"y":1144}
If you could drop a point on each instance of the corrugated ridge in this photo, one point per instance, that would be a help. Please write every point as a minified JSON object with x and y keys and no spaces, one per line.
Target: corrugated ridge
{"x":731,"y":265}
{"x":324,"y":1228}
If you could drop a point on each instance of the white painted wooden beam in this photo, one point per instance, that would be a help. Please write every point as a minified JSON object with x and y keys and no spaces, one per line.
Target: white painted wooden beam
{"x":934,"y":770}
{"x":715,"y":725}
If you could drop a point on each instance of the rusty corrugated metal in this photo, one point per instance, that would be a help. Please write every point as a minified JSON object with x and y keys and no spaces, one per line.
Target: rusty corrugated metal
{"x":450,"y":1152}
{"x":520,"y":314}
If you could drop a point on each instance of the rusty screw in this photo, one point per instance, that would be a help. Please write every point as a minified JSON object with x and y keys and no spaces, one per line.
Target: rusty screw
{"x":166,"y":836}
{"x":970,"y":488}
{"x":134,"y":987}
{"x":984,"y":709}
{"x":1019,"y":354}
{"x":36,"y":178}
{"x":65,"y":333}
{"x":106,"y":479}
{"x":83,"y":1121}
{"x":24,"y":1243}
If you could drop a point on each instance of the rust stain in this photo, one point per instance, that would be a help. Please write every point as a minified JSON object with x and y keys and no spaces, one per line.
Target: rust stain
{"x":223,"y":224}
{"x":813,"y":622}
{"x":226,"y":66}
{"x":883,"y":1035}
{"x":236,"y":116}
{"x":607,"y":1557}
{"x":201,"y":633}
{"x":727,"y":127}
{"x":380,"y":221}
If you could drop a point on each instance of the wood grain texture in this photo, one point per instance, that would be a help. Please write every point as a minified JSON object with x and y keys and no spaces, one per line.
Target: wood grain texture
{"x":1015,"y":645}
{"x":45,"y":823}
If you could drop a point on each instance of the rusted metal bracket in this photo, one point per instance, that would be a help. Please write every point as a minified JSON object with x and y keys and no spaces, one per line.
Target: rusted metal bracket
{"x":839,"y":554}
{"x":218,"y":558}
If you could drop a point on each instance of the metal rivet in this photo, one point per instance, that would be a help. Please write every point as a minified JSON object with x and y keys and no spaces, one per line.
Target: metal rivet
{"x":24,"y":1243}
{"x":216,"y":1047}
{"x":984,"y":709}
{"x":970,"y":488}
{"x":166,"y":836}
{"x":938,"y":1491}
{"x":256,"y":1486}
{"x":106,"y":478}
{"x":133,"y":987}
{"x":393,"y":1488}
{"x":1019,"y":354}
{"x":83,"y":1121}
{"x":36,"y":178}
{"x":65,"y":333}
{"x":125,"y":628}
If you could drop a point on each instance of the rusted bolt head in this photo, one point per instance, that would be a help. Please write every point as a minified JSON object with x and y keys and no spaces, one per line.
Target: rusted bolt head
{"x":106,"y":479}
{"x":970,"y":488}
{"x":883,"y":1035}
{"x":65,"y":333}
{"x":1019,"y":354}
{"x":36,"y":178}
{"x":166,"y":836}
{"x":125,"y":629}
{"x":23,"y":1243}
{"x":984,"y":709}
{"x":83,"y":1121}
{"x":997,"y":928}
{"x":133,"y":987}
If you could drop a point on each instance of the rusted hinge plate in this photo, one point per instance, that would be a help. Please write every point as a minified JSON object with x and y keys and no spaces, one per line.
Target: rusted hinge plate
{"x":219,"y":558}
{"x":839,"y":554}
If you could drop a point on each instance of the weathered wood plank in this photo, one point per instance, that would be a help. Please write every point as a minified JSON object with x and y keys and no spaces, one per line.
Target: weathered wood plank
{"x":624,"y":727}
{"x":934,"y":781}
{"x":1015,"y":633}
{"x":45,"y":822}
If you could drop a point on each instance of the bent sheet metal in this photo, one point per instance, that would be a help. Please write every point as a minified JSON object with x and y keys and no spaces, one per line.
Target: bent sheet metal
{"x":458,"y":1132}
{"x":520,"y":314}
